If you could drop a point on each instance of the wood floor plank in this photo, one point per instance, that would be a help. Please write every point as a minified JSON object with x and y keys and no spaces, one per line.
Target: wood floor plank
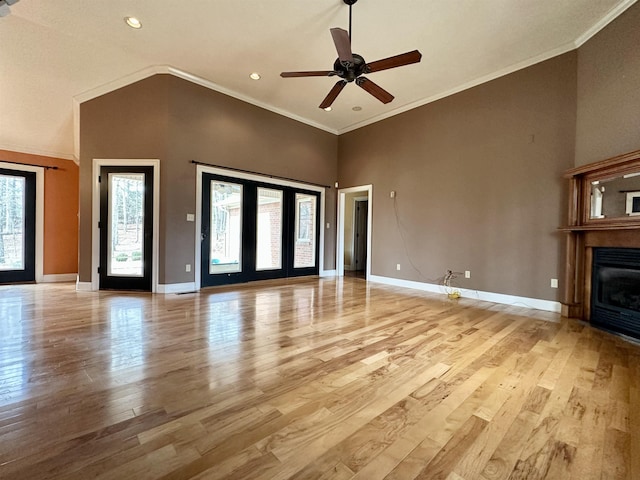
{"x":308,"y":378}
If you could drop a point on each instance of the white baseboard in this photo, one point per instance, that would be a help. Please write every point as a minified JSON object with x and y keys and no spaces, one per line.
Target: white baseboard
{"x":538,"y":304}
{"x":327,"y":273}
{"x":84,"y":286}
{"x":170,"y":288}
{"x":59,"y":277}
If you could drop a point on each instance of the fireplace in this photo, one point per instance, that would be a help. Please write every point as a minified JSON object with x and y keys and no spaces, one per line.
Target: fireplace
{"x":602,"y":265}
{"x":615,"y":290}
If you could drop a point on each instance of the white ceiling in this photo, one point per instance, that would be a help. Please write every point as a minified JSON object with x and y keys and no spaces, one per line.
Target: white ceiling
{"x":56,"y":51}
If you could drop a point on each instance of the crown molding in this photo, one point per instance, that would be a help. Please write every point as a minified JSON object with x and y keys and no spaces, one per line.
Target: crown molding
{"x":577,"y":43}
{"x":465,"y":86}
{"x":218,"y":88}
{"x":176,"y":72}
{"x":36,"y":151}
{"x":603,"y":22}
{"x":167,"y":69}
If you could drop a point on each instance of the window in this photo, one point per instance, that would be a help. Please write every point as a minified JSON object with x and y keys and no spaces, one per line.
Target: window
{"x":304,"y":219}
{"x":305,"y":245}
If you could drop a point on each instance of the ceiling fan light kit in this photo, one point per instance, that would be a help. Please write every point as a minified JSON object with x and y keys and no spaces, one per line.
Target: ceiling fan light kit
{"x":350,"y":67}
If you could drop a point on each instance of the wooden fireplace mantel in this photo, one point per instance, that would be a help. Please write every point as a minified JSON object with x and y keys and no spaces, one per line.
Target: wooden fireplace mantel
{"x":585,"y":231}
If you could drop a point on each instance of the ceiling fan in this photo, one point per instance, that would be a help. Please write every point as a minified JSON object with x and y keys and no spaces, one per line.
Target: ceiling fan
{"x":350,"y":66}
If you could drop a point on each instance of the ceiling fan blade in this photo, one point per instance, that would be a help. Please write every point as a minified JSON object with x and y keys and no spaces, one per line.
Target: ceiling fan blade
{"x":375,"y":90}
{"x":343,"y":44}
{"x":393,"y":62}
{"x":316,"y":73}
{"x":333,"y":94}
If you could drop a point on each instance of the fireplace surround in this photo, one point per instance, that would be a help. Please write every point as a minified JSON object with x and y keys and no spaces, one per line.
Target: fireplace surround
{"x":602,"y":268}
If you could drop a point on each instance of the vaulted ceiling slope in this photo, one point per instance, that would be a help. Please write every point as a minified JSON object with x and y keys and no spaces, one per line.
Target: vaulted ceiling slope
{"x":56,"y":51}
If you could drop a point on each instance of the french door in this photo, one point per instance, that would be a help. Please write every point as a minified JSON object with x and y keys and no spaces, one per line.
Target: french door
{"x":17,"y":226}
{"x":126,"y":227}
{"x":256,"y":231}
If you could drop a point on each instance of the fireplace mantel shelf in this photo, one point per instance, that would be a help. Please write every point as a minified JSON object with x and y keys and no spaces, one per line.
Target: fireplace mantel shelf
{"x":601,"y":227}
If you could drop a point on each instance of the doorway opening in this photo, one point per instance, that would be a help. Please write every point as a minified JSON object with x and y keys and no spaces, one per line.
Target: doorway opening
{"x":354,"y":232}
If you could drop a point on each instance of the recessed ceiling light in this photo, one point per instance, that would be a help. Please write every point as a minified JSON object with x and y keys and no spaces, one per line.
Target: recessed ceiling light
{"x":255,"y":76}
{"x":133,"y":22}
{"x":357,"y":108}
{"x":328,"y":109}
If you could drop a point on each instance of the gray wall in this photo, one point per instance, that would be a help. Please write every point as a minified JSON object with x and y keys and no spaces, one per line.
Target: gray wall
{"x":130,"y":122}
{"x":608,"y":119}
{"x":177,"y":121}
{"x":478,"y":175}
{"x":478,"y":181}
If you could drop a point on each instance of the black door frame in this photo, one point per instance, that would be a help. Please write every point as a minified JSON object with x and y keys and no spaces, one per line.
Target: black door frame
{"x":113,"y":282}
{"x":98,"y":163}
{"x":28,"y":273}
{"x":248,"y":271}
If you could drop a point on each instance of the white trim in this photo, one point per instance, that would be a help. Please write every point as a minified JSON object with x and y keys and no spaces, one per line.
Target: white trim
{"x":460,"y":88}
{"x":197,"y":234}
{"x":614,"y":13}
{"x":84,"y":286}
{"x":218,"y":88}
{"x":60,"y":277}
{"x":176,"y":72}
{"x":567,"y":47}
{"x":631,"y":196}
{"x":536,"y":303}
{"x":39,"y":223}
{"x":340,"y":267}
{"x":327,"y":273}
{"x":36,"y":151}
{"x":169,"y":288}
{"x":167,"y":69}
{"x":200,"y":169}
{"x":39,"y":171}
{"x":95,"y":214}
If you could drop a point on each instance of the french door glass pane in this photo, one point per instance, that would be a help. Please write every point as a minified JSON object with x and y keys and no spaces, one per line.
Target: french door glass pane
{"x":12,"y":222}
{"x":225,"y":240}
{"x":126,"y":225}
{"x":269,"y":235}
{"x":305,"y":241}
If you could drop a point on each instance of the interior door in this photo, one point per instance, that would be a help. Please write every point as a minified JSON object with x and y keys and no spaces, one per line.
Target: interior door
{"x":17,"y":226}
{"x":360,"y":234}
{"x":126,"y":227}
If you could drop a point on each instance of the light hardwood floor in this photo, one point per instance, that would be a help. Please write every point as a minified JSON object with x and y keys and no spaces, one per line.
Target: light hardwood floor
{"x":308,"y":379}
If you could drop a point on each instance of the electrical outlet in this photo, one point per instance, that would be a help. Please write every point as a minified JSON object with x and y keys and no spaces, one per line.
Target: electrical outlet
{"x":393,"y":194}
{"x":328,"y":226}
{"x":554,"y":283}
{"x":187,"y":267}
{"x":191,"y":217}
{"x":467,"y":274}
{"x":398,"y":266}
